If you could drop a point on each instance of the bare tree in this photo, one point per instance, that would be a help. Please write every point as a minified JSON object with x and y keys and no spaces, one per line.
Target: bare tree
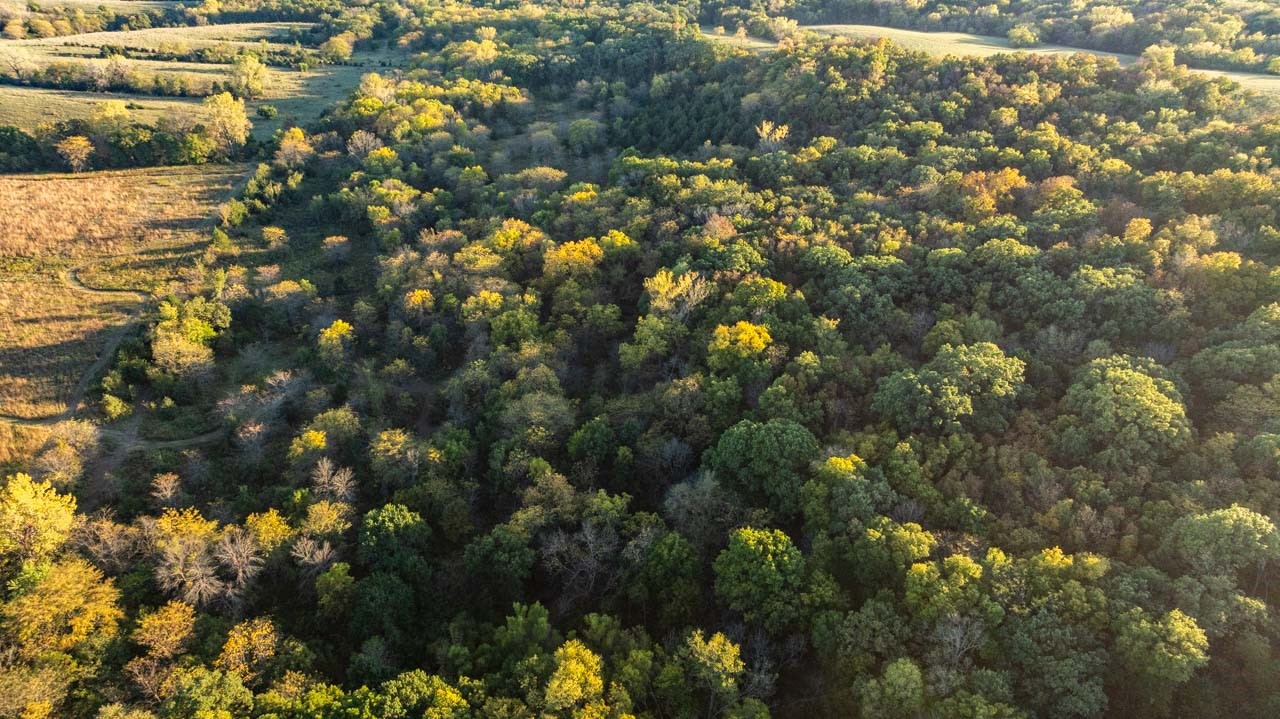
{"x":313,"y":556}
{"x":150,"y":674}
{"x":240,"y":557}
{"x":332,"y":482}
{"x":17,"y":63}
{"x":583,"y":562}
{"x":362,"y":143}
{"x":166,"y":490}
{"x":186,"y":570}
{"x":110,"y":545}
{"x":956,"y":636}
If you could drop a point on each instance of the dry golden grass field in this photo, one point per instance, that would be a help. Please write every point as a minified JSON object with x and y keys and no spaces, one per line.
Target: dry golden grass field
{"x":19,"y":442}
{"x":78,"y":253}
{"x":48,"y":334}
{"x":27,"y":107}
{"x":108,"y":212}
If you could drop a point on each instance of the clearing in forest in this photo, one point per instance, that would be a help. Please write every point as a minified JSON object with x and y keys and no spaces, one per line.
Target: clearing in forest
{"x":78,"y":255}
{"x":27,"y":107}
{"x":942,"y":43}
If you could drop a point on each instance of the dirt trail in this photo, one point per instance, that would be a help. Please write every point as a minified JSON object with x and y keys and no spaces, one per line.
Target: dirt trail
{"x":124,"y":436}
{"x":115,"y":336}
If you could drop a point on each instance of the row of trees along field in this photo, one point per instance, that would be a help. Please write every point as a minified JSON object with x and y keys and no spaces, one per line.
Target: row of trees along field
{"x":31,"y":20}
{"x":216,"y":130}
{"x":587,"y":367}
{"x":1223,"y":34}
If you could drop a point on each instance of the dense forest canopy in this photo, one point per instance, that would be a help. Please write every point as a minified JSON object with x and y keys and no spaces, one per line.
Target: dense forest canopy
{"x":588,"y":366}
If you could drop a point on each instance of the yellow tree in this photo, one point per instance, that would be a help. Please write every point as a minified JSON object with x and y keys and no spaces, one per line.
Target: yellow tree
{"x":166,"y":631}
{"x":35,"y":519}
{"x":249,"y":647}
{"x":295,"y":149}
{"x":71,"y":609}
{"x":164,"y":634}
{"x":576,"y":686}
{"x":76,"y":150}
{"x":227,"y":124}
{"x":248,"y":76}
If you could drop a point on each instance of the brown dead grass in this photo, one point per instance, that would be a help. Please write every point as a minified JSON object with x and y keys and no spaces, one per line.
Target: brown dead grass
{"x":66,"y":238}
{"x":19,"y":442}
{"x":97,"y":213}
{"x":48,"y":335}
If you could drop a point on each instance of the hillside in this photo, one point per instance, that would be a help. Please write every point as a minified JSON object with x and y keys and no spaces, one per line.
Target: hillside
{"x":609,"y":360}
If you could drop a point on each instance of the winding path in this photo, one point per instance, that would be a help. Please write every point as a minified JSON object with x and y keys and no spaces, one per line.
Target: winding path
{"x":115,"y":336}
{"x":127,"y":435}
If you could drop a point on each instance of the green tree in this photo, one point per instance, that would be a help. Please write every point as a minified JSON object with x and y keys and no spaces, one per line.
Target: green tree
{"x":765,"y":461}
{"x":395,"y":538}
{"x":762,"y":575}
{"x":897,"y":692}
{"x":970,"y":387}
{"x":500,"y":563}
{"x":1126,"y":412}
{"x":1161,"y":653}
{"x":1221,"y":542}
{"x":200,"y":693}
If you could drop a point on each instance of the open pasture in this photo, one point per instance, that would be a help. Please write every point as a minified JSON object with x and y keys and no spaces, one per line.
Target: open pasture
{"x":966,"y":44}
{"x":78,"y":254}
{"x":196,"y":36}
{"x":76,"y":217}
{"x":27,"y":107}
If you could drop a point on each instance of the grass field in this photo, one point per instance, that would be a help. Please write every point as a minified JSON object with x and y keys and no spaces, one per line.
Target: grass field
{"x":302,"y":96}
{"x":27,"y":107}
{"x":299,"y":96}
{"x":101,"y":213}
{"x":952,"y":43}
{"x":77,"y":255}
{"x":48,"y":335}
{"x":247,"y":34}
{"x":962,"y":44}
{"x":19,"y":442}
{"x":22,"y":8}
{"x":85,"y":50}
